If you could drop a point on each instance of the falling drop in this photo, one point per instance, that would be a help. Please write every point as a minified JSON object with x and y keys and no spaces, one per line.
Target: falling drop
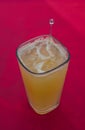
{"x":51,"y":22}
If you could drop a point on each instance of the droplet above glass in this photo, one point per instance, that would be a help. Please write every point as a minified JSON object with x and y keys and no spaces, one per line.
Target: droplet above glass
{"x":51,"y":22}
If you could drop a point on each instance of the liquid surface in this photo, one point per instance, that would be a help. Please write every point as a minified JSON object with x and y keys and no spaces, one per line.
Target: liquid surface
{"x":42,"y":55}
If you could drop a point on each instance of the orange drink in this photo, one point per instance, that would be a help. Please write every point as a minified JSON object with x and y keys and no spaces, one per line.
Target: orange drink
{"x":43,"y":63}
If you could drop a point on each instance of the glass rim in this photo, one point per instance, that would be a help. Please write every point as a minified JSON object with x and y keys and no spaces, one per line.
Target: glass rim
{"x":46,"y":72}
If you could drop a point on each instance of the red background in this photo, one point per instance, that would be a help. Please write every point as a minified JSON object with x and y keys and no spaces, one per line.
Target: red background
{"x":20,"y":21}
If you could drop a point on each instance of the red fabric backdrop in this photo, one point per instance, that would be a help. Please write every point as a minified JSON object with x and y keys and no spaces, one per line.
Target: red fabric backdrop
{"x":20,"y":21}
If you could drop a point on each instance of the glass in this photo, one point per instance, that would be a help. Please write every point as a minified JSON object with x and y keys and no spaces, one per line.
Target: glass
{"x":43,"y":89}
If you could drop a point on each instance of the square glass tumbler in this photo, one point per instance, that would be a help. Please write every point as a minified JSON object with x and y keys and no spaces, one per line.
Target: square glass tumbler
{"x":43,"y":90}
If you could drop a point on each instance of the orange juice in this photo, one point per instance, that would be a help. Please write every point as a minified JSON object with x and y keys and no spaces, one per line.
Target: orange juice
{"x":43,"y":63}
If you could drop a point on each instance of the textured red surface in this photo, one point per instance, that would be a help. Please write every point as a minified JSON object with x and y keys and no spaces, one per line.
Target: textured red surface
{"x":20,"y":21}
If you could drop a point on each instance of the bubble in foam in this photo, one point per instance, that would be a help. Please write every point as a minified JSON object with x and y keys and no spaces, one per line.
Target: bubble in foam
{"x":38,"y":67}
{"x":43,"y":57}
{"x":48,"y":47}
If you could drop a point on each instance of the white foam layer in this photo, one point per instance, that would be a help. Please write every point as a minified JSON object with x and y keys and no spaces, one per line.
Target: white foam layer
{"x":38,"y":44}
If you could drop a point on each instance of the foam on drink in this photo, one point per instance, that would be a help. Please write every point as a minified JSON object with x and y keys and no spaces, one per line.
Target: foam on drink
{"x":42,"y":55}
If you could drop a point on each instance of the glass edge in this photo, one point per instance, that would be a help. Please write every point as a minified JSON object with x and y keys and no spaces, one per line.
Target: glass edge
{"x":66,"y":61}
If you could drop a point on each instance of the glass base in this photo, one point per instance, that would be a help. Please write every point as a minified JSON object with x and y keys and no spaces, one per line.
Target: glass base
{"x":45,"y":111}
